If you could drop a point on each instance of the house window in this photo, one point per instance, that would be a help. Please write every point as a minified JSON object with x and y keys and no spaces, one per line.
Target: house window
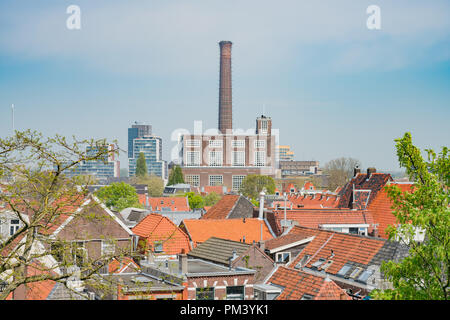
{"x":215,"y":143}
{"x":260,"y":158}
{"x":362,"y":231}
{"x":204,"y":293}
{"x":238,"y":158}
{"x":215,"y":158}
{"x":108,"y":248}
{"x":157,"y":247}
{"x":283,"y":257}
{"x":192,"y":143}
{"x":260,"y":143}
{"x":79,"y":253}
{"x":353,"y":230}
{"x":13,"y":226}
{"x":237,"y":182}
{"x":215,"y":180}
{"x":238,"y":144}
{"x":235,"y":293}
{"x":192,"y":158}
{"x":264,"y":126}
{"x":193,"y":179}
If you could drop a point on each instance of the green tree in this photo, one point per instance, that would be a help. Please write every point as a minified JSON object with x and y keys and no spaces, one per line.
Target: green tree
{"x":253,"y":184}
{"x":195,"y":200}
{"x":340,"y":171}
{"x":155,"y":185}
{"x":141,"y":166}
{"x":39,"y":195}
{"x":424,"y":274}
{"x":176,"y":176}
{"x":119,"y":195}
{"x":211,"y":199}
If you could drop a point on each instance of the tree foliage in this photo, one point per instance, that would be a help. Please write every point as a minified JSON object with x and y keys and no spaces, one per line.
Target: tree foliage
{"x":155,"y":185}
{"x":340,"y":171}
{"x":195,"y":200}
{"x":253,"y":184}
{"x":211,"y":199}
{"x":141,"y":166}
{"x":176,"y":176}
{"x":118,"y":196}
{"x":424,"y":274}
{"x":36,"y":192}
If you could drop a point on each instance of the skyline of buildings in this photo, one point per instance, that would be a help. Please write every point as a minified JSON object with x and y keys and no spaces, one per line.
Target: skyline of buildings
{"x":102,"y":169}
{"x":151,"y":146}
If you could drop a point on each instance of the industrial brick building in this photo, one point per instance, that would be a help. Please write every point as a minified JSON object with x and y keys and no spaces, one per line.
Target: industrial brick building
{"x":227,"y":157}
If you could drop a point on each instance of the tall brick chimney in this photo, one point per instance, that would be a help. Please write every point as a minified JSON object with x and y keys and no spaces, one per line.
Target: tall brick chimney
{"x":225,"y":98}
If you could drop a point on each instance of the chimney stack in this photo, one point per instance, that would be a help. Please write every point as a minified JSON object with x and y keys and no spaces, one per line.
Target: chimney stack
{"x":182,"y":263}
{"x":225,"y":97}
{"x":261,"y":205}
{"x":370,"y":171}
{"x":356,"y":170}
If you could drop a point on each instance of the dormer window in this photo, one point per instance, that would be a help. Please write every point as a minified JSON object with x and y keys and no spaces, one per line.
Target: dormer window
{"x":283,"y":257}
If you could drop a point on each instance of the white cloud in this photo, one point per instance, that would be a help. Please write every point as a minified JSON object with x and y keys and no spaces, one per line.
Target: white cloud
{"x":180,"y":37}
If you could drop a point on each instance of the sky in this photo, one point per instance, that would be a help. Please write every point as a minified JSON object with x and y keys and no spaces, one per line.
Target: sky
{"x":333,"y":87}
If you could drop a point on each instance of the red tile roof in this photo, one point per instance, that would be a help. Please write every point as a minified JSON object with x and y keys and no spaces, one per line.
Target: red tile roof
{"x":308,"y":186}
{"x":39,"y":290}
{"x":317,"y":200}
{"x":341,"y":247}
{"x":222,"y":208}
{"x":381,"y":210}
{"x":297,"y":283}
{"x":231,"y":229}
{"x":288,"y":239}
{"x":314,"y":218}
{"x":126,"y":265}
{"x":374,"y":182}
{"x":174,"y":203}
{"x":155,"y":227}
{"x":211,"y":189}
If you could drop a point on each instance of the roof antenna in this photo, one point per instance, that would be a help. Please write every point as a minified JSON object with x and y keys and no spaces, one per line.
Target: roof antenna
{"x":12,"y":115}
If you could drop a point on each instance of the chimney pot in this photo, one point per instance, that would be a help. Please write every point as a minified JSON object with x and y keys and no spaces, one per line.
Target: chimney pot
{"x":370,"y":171}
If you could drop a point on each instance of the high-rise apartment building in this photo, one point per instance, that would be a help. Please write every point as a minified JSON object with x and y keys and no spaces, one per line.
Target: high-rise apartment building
{"x":137,"y":130}
{"x":105,"y":167}
{"x":150,"y":145}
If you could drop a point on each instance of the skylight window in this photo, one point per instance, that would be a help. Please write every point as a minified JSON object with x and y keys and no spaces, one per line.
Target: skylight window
{"x":326,"y":265}
{"x":356,"y":272}
{"x":318,"y":263}
{"x":365,"y":275}
{"x":344,"y":269}
{"x":302,"y":261}
{"x":307,"y":297}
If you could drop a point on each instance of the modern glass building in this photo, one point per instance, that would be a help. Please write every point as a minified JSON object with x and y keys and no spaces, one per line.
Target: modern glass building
{"x":151,"y":146}
{"x":137,"y":130}
{"x":102,"y":169}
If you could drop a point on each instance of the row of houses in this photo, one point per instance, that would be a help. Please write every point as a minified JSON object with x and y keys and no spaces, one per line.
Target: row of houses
{"x":234,"y":250}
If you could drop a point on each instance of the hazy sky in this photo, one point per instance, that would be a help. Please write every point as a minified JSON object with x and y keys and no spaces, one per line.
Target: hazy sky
{"x":332,"y":86}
